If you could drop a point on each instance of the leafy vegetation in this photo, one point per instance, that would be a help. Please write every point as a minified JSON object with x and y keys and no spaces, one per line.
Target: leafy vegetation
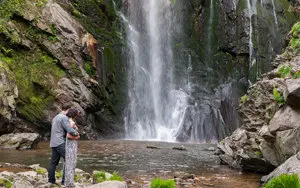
{"x":100,"y":176}
{"x":296,"y":75}
{"x":284,"y":71}
{"x":244,"y":98}
{"x":278,"y":97}
{"x":41,"y":171}
{"x":159,"y":183}
{"x":5,"y":183}
{"x":59,"y":174}
{"x":284,"y":181}
{"x":295,"y":40}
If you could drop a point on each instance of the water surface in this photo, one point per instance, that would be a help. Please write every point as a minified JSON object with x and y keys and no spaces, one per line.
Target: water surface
{"x":137,"y":163}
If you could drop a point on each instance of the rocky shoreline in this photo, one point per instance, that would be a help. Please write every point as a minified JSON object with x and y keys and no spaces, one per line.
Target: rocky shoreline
{"x":269,"y":135}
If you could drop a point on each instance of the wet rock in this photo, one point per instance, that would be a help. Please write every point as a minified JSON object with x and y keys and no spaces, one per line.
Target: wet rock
{"x":290,"y":166}
{"x":22,"y":184}
{"x":109,"y":184}
{"x":8,"y":94}
{"x":284,"y":119}
{"x":152,"y":147}
{"x":19,"y":141}
{"x":180,"y":148}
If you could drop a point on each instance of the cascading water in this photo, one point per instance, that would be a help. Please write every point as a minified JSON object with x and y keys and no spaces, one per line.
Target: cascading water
{"x":156,"y":110}
{"x":274,"y":13}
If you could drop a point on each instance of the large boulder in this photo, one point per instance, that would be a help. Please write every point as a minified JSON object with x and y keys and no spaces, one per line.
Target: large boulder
{"x":8,"y":94}
{"x":288,"y":142}
{"x":292,"y":93}
{"x":284,"y":119}
{"x":290,"y":166}
{"x":19,"y":141}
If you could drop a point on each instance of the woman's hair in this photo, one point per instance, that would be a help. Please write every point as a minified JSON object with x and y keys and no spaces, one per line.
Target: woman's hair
{"x":72,"y":113}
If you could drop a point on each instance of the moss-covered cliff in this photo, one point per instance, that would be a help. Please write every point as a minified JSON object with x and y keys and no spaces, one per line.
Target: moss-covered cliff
{"x":55,"y":59}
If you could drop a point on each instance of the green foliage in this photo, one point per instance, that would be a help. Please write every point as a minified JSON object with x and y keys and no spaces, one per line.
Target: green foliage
{"x":284,"y":181}
{"x":295,"y":40}
{"x":115,"y":176}
{"x":36,"y":75}
{"x":77,"y":177}
{"x":259,"y":153}
{"x":89,"y":69}
{"x":278,"y":97}
{"x":59,"y":174}
{"x":7,"y":9}
{"x":243,"y":99}
{"x":296,"y":75}
{"x":284,"y":71}
{"x":5,"y":183}
{"x":41,"y":3}
{"x":41,"y":171}
{"x":99,"y":177}
{"x":159,"y":183}
{"x":76,"y":13}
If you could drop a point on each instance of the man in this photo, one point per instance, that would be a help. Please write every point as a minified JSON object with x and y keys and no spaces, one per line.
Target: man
{"x":60,"y":128}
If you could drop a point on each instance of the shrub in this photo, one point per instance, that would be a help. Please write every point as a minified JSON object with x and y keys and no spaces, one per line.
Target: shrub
{"x":284,"y":71}
{"x":159,"y":183}
{"x":59,"y":174}
{"x":278,"y":97}
{"x":5,"y":183}
{"x":284,"y":181}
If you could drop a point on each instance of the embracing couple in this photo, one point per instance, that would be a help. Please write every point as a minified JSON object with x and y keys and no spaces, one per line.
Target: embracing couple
{"x":63,"y":143}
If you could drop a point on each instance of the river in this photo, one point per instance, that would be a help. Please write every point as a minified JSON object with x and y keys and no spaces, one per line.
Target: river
{"x":138,"y":163}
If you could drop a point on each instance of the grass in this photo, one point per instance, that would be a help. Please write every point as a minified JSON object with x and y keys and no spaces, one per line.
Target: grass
{"x":284,"y":181}
{"x":159,"y":183}
{"x":278,"y":97}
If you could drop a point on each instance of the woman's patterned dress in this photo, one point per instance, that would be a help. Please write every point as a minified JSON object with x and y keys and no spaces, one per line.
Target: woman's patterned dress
{"x":70,"y":162}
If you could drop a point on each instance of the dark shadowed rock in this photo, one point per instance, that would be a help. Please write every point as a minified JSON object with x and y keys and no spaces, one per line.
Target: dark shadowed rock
{"x":288,"y":142}
{"x":19,"y":141}
{"x":292,"y":93}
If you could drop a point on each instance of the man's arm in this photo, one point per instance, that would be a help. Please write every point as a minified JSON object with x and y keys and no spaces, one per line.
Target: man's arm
{"x":66,"y":125}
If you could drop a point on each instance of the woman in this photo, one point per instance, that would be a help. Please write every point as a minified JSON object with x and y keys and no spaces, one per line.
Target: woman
{"x":71,"y":150}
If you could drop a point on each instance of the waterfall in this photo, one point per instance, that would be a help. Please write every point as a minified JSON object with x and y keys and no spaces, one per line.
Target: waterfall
{"x":210,"y":29}
{"x":156,"y":109}
{"x":274,"y":12}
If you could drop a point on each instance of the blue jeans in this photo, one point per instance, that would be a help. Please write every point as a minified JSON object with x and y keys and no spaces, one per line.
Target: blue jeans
{"x":57,"y":152}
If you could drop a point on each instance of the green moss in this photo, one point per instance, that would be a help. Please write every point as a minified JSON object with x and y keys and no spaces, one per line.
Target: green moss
{"x":284,"y":180}
{"x":296,"y":75}
{"x":115,"y":177}
{"x":8,"y":8}
{"x":159,"y":183}
{"x":41,"y":171}
{"x":36,"y":75}
{"x":76,"y":13}
{"x":243,"y":99}
{"x":77,"y":177}
{"x":59,"y":174}
{"x":259,"y":154}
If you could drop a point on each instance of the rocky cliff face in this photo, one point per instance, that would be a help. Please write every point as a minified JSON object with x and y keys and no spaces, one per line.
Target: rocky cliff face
{"x":223,"y":46}
{"x":270,"y":115}
{"x":50,"y":58}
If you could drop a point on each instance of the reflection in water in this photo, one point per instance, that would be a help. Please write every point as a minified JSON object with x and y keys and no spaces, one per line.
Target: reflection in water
{"x":133,"y":160}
